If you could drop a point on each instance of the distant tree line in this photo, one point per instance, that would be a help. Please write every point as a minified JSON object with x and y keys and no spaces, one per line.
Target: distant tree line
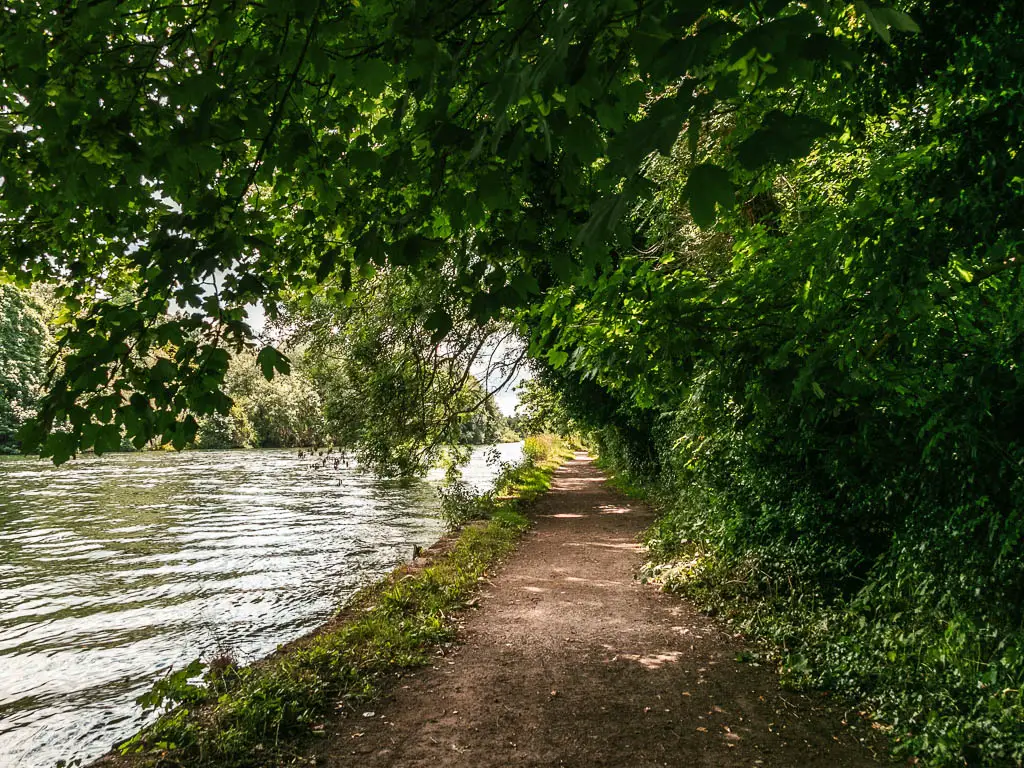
{"x":334,"y":384}
{"x":25,"y":343}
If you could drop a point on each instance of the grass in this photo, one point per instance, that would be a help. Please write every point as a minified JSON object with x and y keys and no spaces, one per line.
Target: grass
{"x":255,"y":715}
{"x":623,"y":482}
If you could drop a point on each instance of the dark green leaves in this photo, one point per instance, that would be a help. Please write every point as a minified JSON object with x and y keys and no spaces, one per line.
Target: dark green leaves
{"x":108,"y":438}
{"x":60,"y":446}
{"x":708,"y":185}
{"x":270,"y":360}
{"x":216,"y":156}
{"x":656,"y":131}
{"x":439,"y":323}
{"x":781,"y":138}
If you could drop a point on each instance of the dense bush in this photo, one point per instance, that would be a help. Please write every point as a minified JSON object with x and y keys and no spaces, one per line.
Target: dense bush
{"x":461,"y":503}
{"x":824,"y":392}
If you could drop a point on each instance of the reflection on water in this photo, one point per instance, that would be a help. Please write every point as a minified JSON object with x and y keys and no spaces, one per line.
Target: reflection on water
{"x":113,"y":570}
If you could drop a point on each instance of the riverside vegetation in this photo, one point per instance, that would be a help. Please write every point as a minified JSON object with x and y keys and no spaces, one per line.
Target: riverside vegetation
{"x":223,"y":715}
{"x":767,"y":253}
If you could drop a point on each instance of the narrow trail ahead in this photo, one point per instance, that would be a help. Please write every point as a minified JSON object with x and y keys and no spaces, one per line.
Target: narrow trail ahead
{"x":570,"y":661}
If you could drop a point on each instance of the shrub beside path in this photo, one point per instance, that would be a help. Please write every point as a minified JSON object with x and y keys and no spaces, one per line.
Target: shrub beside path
{"x":569,"y":661}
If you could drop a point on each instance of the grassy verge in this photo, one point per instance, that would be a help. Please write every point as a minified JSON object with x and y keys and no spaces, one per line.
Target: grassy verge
{"x":255,"y":715}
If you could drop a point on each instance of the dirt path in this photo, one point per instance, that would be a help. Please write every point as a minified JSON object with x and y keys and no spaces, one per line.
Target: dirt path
{"x":569,"y":661}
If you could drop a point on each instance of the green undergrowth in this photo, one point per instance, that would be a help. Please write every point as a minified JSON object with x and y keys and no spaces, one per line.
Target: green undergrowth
{"x":631,"y":485}
{"x":917,"y":638}
{"x":525,"y":480}
{"x":255,"y":715}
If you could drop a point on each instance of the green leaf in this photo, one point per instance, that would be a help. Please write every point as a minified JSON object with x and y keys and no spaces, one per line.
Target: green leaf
{"x":163,"y":370}
{"x":557,"y":358}
{"x":706,"y":186}
{"x":31,"y":435}
{"x":781,"y":138}
{"x":439,"y":323}
{"x":270,"y":360}
{"x":108,"y":438}
{"x":883,"y":19}
{"x":60,"y":446}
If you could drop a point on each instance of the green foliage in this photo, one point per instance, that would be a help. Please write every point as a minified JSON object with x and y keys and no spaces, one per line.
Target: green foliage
{"x":540,"y":409}
{"x":233,"y":430}
{"x":211,"y":156}
{"x":461,"y":504}
{"x":769,"y":253}
{"x":524,"y":480}
{"x":391,"y":393}
{"x":823,"y":389}
{"x":486,"y":425}
{"x":285,"y":411}
{"x":25,"y":342}
{"x":176,"y":688}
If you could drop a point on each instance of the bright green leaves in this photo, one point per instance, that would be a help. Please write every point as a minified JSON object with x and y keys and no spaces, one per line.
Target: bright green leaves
{"x":557,"y":358}
{"x":270,"y":361}
{"x":709,"y":185}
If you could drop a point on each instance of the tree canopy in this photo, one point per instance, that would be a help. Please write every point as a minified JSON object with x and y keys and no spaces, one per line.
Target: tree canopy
{"x":209,"y":155}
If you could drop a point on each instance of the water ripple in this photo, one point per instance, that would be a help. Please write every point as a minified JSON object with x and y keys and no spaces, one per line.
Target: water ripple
{"x":114,"y":570}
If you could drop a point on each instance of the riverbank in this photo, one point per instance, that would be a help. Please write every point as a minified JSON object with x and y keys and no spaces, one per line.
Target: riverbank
{"x":571,"y":661}
{"x":257,"y":714}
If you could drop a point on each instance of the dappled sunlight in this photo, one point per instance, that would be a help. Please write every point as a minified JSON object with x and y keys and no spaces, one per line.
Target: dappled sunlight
{"x":594,"y":582}
{"x":574,"y":482}
{"x":563,"y":515}
{"x":612,"y":509}
{"x":625,"y":545}
{"x":654,"y":660}
{"x":690,"y":632}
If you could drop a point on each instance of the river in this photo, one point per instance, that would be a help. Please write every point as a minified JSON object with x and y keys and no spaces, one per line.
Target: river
{"x":115,"y":570}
